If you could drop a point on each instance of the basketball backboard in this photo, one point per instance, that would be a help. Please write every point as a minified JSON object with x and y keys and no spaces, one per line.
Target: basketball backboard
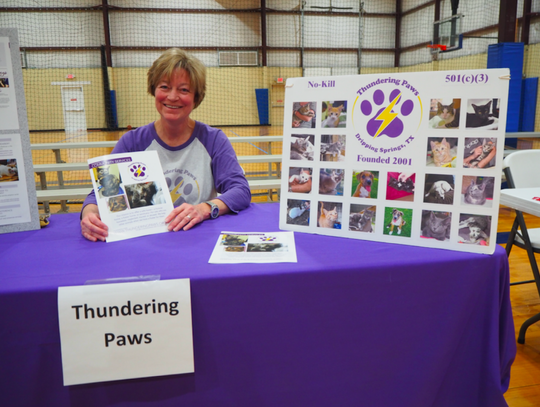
{"x":447,"y":32}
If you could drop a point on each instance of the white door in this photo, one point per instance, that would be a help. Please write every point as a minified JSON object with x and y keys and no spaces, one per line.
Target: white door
{"x":74,"y":112}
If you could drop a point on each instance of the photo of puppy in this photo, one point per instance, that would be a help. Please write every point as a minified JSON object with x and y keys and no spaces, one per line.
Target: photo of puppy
{"x":365,"y":182}
{"x":398,"y":220}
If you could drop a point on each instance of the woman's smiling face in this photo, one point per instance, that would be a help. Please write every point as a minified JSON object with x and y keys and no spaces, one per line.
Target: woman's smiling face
{"x":175,"y":98}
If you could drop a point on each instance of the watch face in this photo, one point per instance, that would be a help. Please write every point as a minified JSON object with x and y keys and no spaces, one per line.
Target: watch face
{"x":215,"y":212}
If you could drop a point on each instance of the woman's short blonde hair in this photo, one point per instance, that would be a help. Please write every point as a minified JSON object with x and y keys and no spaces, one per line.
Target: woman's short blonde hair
{"x":170,"y":61}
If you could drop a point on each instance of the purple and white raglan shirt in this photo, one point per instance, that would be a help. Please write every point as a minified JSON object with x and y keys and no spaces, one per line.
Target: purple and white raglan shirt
{"x":197,"y":170}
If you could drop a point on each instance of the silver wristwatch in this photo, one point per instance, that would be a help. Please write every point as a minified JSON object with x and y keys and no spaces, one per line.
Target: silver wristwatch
{"x":214,"y":210}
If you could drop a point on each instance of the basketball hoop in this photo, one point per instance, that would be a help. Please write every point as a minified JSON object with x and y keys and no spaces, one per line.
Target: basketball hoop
{"x":435,"y":49}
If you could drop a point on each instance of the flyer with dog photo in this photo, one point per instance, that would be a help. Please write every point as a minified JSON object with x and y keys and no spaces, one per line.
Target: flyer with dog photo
{"x":407,"y":158}
{"x":132,"y":194}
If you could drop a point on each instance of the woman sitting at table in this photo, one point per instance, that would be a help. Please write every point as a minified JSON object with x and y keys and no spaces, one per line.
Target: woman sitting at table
{"x":198,"y":161}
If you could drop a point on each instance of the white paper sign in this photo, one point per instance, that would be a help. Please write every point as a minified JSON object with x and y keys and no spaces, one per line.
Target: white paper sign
{"x":254,"y":247}
{"x":412,"y":158}
{"x":125,"y":330}
{"x":132,"y":194}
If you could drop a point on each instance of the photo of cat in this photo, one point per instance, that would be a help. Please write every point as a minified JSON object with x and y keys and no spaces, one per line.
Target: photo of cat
{"x":233,"y":240}
{"x":477,"y":191}
{"x":397,"y":221}
{"x":474,"y":229}
{"x":303,"y":115}
{"x":334,"y":114}
{"x":444,"y":114}
{"x":302,"y":147}
{"x":479,"y":152}
{"x":330,"y":181}
{"x":329,"y":215}
{"x":439,"y":189}
{"x":144,"y":194}
{"x":362,"y":218}
{"x":400,"y":186}
{"x":442,"y":152}
{"x":117,"y":203}
{"x":333,"y":147}
{"x":436,"y":225}
{"x":298,"y":212}
{"x":109,"y":180}
{"x":300,"y":179}
{"x":483,"y":114}
{"x":8,"y":170}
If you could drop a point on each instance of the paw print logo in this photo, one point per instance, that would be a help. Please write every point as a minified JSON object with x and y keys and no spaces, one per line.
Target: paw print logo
{"x":382,"y":111}
{"x":180,"y":189}
{"x":138,"y":171}
{"x":267,"y":238}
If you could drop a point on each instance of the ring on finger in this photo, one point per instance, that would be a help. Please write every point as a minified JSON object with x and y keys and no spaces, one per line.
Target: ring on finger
{"x":188,"y":217}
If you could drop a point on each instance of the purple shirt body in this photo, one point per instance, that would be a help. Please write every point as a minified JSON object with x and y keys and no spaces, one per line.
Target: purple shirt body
{"x":196,"y":171}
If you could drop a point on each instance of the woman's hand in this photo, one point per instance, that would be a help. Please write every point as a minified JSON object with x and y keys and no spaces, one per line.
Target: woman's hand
{"x":92,"y":228}
{"x":186,"y":216}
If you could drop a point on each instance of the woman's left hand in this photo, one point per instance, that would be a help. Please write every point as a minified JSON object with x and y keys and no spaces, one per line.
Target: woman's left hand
{"x":184,"y":217}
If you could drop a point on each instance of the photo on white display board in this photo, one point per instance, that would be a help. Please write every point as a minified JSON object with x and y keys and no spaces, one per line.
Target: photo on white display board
{"x":396,"y":157}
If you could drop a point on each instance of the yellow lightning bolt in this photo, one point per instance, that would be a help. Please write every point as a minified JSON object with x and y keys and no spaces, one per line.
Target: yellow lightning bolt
{"x":138,"y":171}
{"x":387,"y":116}
{"x":174,"y":193}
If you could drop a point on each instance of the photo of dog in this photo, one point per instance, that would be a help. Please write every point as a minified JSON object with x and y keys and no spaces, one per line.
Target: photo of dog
{"x":365,"y":184}
{"x":398,"y":220}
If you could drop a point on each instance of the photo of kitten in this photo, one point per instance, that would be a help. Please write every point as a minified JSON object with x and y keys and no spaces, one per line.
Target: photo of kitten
{"x":444,"y":114}
{"x":362,"y":218}
{"x":304,"y":114}
{"x":436,"y":225}
{"x":474,"y":229}
{"x":441,"y":152}
{"x":302,"y":147}
{"x":483,"y":114}
{"x":400,"y":186}
{"x":334,"y":114}
{"x":330,"y":181}
{"x":300,"y":179}
{"x":439,"y":189}
{"x":144,"y":194}
{"x":479,"y":152}
{"x":108,"y":180}
{"x":298,"y":212}
{"x":478,"y":191}
{"x":329,"y":215}
{"x":333,"y":148}
{"x":117,"y":203}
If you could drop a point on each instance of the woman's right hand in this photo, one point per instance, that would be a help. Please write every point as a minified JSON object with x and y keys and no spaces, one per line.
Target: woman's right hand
{"x":92,"y":228}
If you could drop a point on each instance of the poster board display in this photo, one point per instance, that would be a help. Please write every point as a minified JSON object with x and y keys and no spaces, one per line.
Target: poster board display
{"x":407,"y":158}
{"x":18,"y":202}
{"x":131,"y":193}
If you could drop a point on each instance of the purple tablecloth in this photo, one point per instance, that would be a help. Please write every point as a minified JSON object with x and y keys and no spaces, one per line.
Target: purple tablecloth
{"x":353,"y":323}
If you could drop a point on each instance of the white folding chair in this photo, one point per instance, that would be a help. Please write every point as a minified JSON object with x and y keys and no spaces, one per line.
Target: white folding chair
{"x":522,"y":170}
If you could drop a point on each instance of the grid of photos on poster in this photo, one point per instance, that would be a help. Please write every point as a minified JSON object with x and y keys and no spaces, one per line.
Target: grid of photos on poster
{"x":445,"y":198}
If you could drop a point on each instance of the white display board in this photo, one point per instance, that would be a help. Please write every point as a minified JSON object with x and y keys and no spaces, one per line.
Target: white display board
{"x":412,"y":158}
{"x":18,"y":202}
